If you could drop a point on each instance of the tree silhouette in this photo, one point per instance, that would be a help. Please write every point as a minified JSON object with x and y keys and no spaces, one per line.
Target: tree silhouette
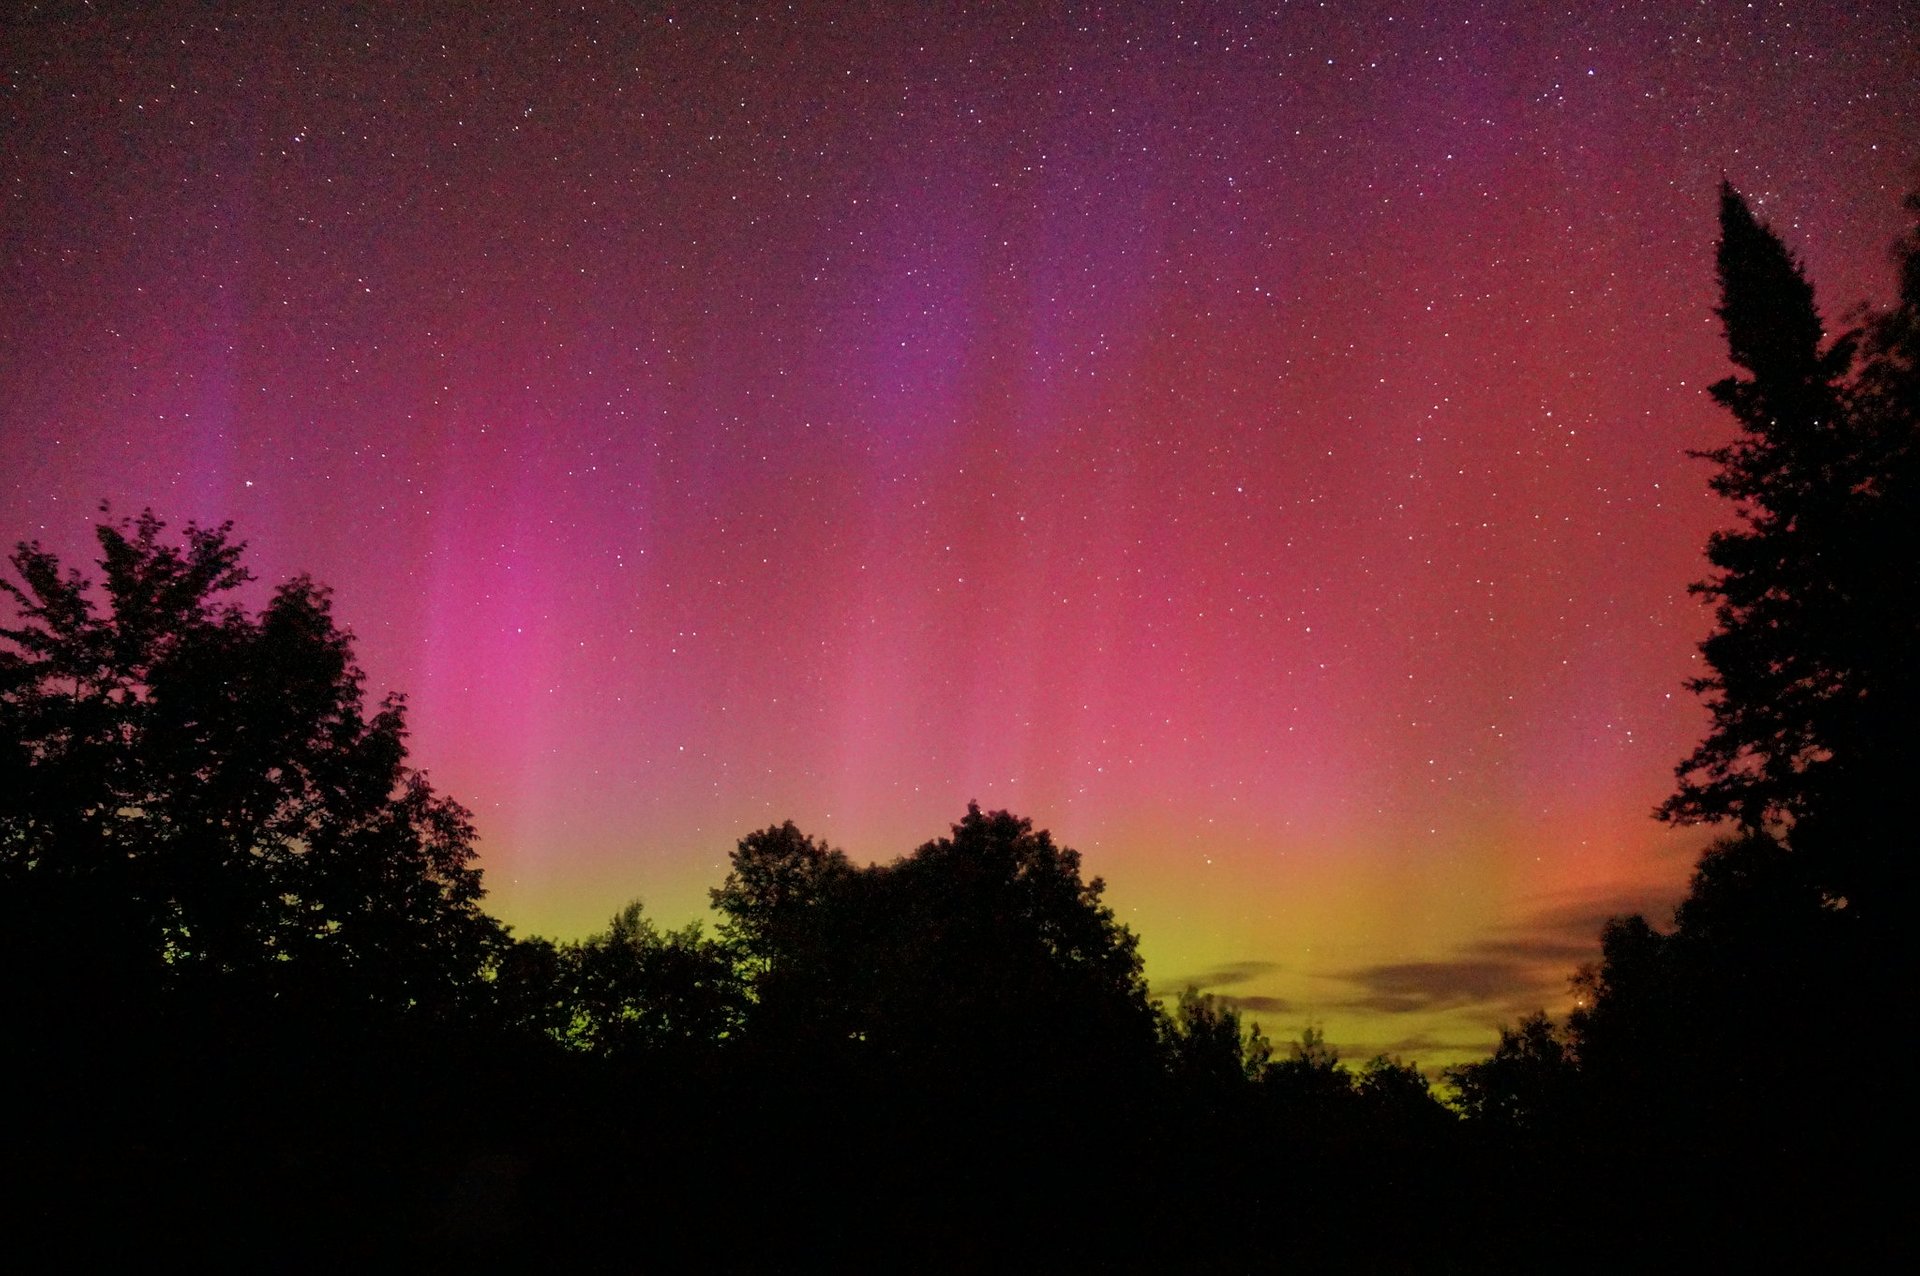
{"x":1311,"y":1073}
{"x":1794,"y":923}
{"x":1811,"y":683}
{"x":800,"y":922}
{"x":983,"y":950}
{"x":1206,"y":1047}
{"x":1527,"y":1084}
{"x":1005,"y":957}
{"x":634,"y":989}
{"x":205,"y":794}
{"x":1392,"y":1089}
{"x":1681,"y":1028}
{"x":777,"y":880}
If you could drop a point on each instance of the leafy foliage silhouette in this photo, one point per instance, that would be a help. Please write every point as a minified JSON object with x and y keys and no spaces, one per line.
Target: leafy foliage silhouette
{"x":1207,"y":1048}
{"x":210,"y":787}
{"x":248,"y":935}
{"x":980,"y":952}
{"x":631,"y":989}
{"x":1526,"y":1082}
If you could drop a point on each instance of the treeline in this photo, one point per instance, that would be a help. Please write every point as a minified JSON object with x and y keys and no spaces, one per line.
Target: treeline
{"x":256,"y":1001}
{"x":260,"y":1018}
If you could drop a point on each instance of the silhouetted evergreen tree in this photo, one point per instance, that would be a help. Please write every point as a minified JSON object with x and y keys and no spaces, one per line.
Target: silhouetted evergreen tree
{"x":1736,"y":1041}
{"x":1811,"y":679}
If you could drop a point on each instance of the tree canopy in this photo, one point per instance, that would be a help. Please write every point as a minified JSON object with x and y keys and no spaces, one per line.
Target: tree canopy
{"x":984,"y":945}
{"x":210,"y":787}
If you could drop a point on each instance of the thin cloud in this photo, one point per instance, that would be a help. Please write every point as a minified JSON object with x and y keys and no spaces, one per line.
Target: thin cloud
{"x":1233,"y":972}
{"x":1418,"y":987}
{"x":1579,"y":919}
{"x":1565,"y":934}
{"x":1262,"y":1005}
{"x":1538,"y":949}
{"x":1419,"y":1043}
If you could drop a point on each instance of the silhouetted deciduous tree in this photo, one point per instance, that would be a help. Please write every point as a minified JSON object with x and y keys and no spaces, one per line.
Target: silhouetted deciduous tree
{"x":1207,"y":1048}
{"x":1682,"y":1028}
{"x":983,"y":949}
{"x":634,"y":989}
{"x":1311,"y":1072}
{"x":1003,"y":956}
{"x":205,"y":795}
{"x":1527,"y":1085}
{"x":797,"y":917}
{"x":1392,"y":1089}
{"x":778,"y":881}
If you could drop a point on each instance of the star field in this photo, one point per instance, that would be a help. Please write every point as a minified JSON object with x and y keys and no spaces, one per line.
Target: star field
{"x":1248,"y":440}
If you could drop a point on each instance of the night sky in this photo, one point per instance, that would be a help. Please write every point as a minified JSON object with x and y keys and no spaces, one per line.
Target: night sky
{"x":1247,"y":440}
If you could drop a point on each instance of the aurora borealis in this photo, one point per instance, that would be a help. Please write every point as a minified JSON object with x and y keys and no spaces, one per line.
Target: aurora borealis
{"x":1247,"y":440}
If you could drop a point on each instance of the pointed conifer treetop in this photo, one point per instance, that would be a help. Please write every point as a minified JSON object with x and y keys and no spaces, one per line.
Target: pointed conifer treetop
{"x":1813,"y":587}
